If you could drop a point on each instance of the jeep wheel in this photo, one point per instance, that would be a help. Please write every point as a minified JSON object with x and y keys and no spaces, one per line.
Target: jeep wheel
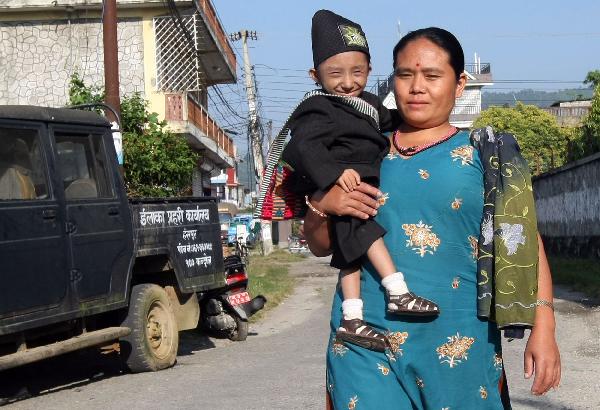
{"x":154,"y":339}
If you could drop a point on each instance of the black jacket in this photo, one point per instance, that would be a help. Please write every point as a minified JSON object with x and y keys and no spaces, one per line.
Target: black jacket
{"x":328,"y":136}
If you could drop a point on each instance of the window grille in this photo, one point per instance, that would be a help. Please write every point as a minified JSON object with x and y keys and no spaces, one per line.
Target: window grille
{"x":177,"y":54}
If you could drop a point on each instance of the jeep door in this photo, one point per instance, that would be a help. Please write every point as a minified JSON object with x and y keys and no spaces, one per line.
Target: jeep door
{"x":98,"y":221}
{"x":34,"y":270}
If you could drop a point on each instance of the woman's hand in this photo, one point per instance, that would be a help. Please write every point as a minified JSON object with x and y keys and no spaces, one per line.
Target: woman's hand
{"x":541,"y":353}
{"x":360,"y":203}
{"x":542,"y":358}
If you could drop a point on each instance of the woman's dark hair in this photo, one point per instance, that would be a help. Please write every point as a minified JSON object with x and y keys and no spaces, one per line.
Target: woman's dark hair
{"x":440,"y":37}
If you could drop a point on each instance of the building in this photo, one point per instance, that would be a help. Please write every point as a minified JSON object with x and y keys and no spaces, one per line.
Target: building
{"x":227,"y":188}
{"x":570,"y":113}
{"x":170,"y":55}
{"x":467,"y":108}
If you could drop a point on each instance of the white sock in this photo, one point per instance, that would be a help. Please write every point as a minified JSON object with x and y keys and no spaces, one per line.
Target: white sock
{"x":395,"y":284}
{"x":352,"y":309}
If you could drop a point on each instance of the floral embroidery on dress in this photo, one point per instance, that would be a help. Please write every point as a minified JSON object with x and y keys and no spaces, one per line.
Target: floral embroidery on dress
{"x":455,"y":349}
{"x":474,"y":246}
{"x":420,"y":383}
{"x":483,"y":392}
{"x":456,"y":204}
{"x":396,"y":340}
{"x":498,"y":361}
{"x":382,"y":199}
{"x":392,"y":155}
{"x":512,"y":237}
{"x":421,"y":238}
{"x":423,"y":173}
{"x":384,"y":370}
{"x":455,"y":283}
{"x":352,"y":403}
{"x":463,"y":153}
{"x":338,"y":348}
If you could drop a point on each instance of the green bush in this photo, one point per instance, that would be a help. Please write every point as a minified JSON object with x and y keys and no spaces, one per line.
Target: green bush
{"x":157,"y":163}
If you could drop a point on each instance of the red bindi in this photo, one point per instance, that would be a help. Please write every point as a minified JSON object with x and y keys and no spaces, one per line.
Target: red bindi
{"x":418,"y":64}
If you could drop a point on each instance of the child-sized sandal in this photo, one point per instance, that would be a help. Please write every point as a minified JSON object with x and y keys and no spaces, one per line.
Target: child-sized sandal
{"x":357,"y":332}
{"x":410,"y":304}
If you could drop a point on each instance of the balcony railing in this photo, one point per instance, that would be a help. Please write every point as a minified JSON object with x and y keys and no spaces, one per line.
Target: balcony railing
{"x":576,"y":112}
{"x":481,"y":68}
{"x":212,"y":20}
{"x":197,"y":115}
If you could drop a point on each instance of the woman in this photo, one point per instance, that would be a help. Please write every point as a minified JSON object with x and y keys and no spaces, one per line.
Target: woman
{"x":434,"y":183}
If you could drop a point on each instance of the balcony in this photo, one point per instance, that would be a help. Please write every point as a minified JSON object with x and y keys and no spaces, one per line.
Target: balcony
{"x":187,"y":117}
{"x":481,"y":71}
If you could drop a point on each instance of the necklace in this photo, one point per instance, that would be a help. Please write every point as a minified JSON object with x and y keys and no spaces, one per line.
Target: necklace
{"x":410,"y":151}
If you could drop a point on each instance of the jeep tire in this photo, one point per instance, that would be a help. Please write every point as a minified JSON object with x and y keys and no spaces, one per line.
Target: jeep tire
{"x":154,"y":339}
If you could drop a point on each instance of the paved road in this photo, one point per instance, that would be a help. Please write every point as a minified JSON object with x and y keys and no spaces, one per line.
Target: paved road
{"x":281,"y":365}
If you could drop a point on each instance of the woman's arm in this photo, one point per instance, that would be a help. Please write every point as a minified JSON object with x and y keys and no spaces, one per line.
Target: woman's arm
{"x":360,"y":203}
{"x":541,"y":353}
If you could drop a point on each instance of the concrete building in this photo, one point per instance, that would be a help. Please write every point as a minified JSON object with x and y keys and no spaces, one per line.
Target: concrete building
{"x":170,"y":56}
{"x":570,"y":113}
{"x":228,"y":188}
{"x":467,"y":108}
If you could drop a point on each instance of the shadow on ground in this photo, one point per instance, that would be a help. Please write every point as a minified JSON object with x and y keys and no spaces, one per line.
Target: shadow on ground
{"x":70,"y":371}
{"x":78,"y":369}
{"x":562,"y":292}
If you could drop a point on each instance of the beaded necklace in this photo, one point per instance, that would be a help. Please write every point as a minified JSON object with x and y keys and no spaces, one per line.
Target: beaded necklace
{"x":415,"y":149}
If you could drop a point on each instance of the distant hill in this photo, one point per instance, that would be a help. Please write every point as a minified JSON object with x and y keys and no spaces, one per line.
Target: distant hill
{"x":534,"y":97}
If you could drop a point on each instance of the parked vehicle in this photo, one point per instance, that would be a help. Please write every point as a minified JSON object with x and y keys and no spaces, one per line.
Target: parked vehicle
{"x":297,"y":244}
{"x":82,"y":265}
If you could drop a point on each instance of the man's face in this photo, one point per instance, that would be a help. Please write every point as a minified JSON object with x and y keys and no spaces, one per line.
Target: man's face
{"x":343,"y":74}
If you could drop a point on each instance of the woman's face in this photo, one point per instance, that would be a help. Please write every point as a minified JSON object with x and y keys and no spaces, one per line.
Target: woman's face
{"x":425,"y":84}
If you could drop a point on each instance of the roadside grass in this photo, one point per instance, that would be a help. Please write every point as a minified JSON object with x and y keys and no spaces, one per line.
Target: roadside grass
{"x":269,"y":276}
{"x":579,"y":274}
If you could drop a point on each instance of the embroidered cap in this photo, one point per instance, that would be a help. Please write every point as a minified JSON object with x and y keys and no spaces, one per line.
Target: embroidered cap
{"x":333,"y":34}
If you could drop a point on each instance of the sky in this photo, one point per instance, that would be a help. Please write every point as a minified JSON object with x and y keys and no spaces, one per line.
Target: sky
{"x":538,"y":44}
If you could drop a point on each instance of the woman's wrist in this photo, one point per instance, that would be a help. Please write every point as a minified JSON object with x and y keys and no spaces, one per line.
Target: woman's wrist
{"x":544,"y":319}
{"x":313,"y":208}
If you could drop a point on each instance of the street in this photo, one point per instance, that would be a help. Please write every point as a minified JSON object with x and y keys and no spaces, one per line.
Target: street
{"x":281,"y":365}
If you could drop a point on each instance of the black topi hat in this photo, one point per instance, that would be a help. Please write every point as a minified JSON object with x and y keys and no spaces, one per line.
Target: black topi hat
{"x":333,"y":34}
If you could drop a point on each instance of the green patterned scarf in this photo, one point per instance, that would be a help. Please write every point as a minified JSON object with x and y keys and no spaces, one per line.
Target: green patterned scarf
{"x":507,"y":260}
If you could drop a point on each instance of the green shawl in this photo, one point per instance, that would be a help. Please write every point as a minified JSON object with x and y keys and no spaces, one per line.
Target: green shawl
{"x":507,"y":260}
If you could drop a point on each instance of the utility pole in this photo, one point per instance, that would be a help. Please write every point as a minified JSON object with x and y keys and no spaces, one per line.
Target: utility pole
{"x":255,"y":142}
{"x":111,"y":70}
{"x":269,"y":132}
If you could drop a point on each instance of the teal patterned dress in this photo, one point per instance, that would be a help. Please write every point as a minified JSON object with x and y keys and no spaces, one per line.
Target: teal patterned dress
{"x":432,"y":214}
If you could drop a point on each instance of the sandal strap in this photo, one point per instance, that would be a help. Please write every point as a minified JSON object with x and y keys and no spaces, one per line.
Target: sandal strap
{"x":410,"y":301}
{"x":360,"y":327}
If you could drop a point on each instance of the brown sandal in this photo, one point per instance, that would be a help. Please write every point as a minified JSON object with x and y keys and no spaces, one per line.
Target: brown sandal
{"x":357,"y":332}
{"x":410,"y":304}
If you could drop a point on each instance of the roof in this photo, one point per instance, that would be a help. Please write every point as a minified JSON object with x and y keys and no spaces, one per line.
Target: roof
{"x":46,"y":114}
{"x":20,"y":5}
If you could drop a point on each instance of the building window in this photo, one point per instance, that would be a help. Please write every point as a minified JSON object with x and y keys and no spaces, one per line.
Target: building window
{"x":177,"y":59}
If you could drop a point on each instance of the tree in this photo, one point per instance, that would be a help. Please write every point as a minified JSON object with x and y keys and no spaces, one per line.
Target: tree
{"x":157,"y":163}
{"x":592,"y":78}
{"x":542,"y":141}
{"x":588,"y":139}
